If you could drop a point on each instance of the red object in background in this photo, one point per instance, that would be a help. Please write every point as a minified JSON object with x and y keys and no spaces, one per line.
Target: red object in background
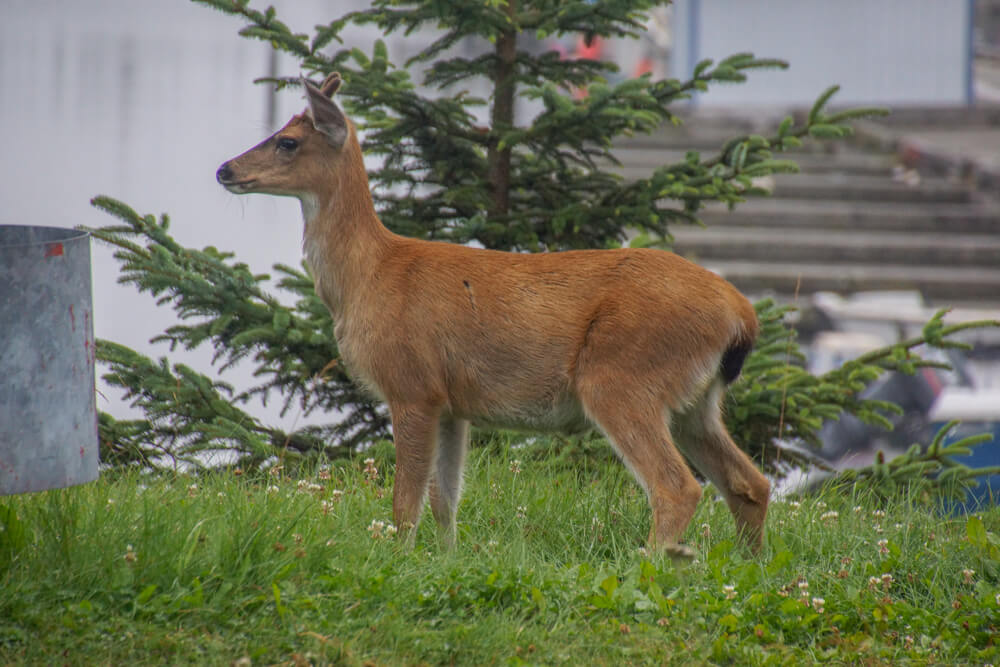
{"x":589,"y":50}
{"x":644,"y":66}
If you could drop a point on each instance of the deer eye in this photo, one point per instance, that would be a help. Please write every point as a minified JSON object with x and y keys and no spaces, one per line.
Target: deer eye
{"x":287,"y":144}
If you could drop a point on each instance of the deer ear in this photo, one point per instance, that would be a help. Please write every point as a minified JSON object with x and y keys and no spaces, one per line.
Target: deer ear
{"x":331,"y":84}
{"x":326,"y":116}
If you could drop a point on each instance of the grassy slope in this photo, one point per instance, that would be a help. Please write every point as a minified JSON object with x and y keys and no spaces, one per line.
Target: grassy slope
{"x":548,"y":570}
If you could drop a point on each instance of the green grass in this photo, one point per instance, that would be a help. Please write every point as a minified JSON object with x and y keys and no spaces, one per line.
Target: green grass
{"x":225,"y":568}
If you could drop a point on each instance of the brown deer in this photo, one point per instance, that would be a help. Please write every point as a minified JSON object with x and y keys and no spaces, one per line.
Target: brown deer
{"x":638,"y":343}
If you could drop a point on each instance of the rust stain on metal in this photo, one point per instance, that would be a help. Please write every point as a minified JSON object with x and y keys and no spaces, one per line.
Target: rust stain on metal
{"x":53,"y":250}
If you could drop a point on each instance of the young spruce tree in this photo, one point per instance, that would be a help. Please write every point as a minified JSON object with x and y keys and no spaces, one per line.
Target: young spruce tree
{"x":514,"y":183}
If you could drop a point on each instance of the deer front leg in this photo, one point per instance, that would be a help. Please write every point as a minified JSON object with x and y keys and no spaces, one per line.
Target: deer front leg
{"x":415,"y":432}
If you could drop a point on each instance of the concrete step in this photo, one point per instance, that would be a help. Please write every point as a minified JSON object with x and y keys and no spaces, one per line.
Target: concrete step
{"x":770,"y":244}
{"x":843,"y":224}
{"x":850,"y":215}
{"x":847,"y":187}
{"x":947,"y":284}
{"x":708,"y":140}
{"x":945,"y":117}
{"x":640,"y":161}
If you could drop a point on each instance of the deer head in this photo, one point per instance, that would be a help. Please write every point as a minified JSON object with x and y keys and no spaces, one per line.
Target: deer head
{"x":300,"y":159}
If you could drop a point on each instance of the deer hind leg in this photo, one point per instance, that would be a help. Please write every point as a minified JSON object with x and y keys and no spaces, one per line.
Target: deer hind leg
{"x":415,"y":433}
{"x":707,"y":444}
{"x":446,"y":478}
{"x":638,"y":432}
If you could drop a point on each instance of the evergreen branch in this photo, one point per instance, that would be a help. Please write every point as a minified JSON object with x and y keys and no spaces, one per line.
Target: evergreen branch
{"x":932,"y":469}
{"x":817,"y":107}
{"x":602,"y":19}
{"x":773,"y":383}
{"x":222,"y":303}
{"x":726,"y":177}
{"x":180,"y":407}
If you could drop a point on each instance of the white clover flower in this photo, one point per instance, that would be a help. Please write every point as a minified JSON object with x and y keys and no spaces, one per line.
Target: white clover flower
{"x":817,"y":604}
{"x":381,"y":529}
{"x":305,"y":486}
{"x":967,"y":575}
{"x":515,"y":466}
{"x":730,"y":591}
{"x":371,"y":472}
{"x":832,"y":514}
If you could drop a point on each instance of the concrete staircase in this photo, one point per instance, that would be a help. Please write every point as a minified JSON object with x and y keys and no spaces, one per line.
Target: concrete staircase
{"x":846,"y":223}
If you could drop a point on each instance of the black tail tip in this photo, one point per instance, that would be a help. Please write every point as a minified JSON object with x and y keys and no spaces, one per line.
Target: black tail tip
{"x":732,"y":360}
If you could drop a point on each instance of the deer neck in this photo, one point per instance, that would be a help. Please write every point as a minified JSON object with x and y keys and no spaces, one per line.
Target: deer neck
{"x":343,"y":239}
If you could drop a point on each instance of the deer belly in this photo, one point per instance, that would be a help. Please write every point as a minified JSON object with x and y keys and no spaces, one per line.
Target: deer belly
{"x":564,"y":415}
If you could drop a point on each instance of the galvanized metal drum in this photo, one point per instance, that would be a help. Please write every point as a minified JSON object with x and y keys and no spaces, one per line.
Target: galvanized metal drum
{"x":48,"y":415}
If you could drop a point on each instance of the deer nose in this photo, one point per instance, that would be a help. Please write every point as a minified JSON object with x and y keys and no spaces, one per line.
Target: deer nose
{"x":224,"y":174}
